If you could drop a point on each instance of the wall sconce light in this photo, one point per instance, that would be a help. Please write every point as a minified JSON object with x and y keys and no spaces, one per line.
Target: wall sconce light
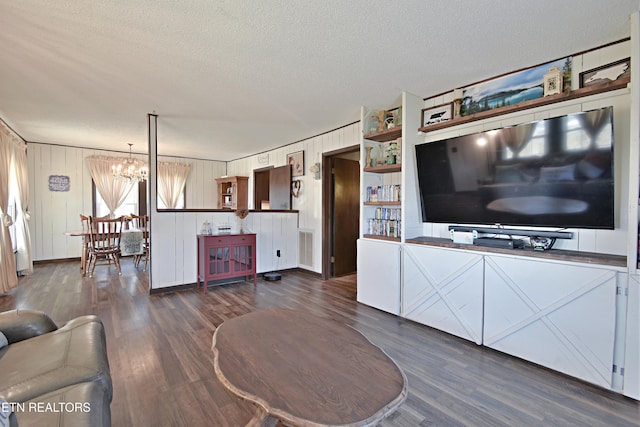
{"x":315,"y":168}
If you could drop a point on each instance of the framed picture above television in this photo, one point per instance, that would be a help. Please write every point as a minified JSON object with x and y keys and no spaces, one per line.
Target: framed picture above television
{"x":514,"y":88}
{"x":607,"y":73}
{"x":437,"y":114}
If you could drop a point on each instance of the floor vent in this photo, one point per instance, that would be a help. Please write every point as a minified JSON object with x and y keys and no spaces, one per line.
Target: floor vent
{"x":305,"y":245}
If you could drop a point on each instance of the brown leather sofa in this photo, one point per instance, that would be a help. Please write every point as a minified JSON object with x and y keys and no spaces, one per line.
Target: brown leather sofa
{"x":52,"y":376}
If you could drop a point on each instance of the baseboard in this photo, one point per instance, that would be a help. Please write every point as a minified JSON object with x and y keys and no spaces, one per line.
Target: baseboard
{"x":176,"y":288}
{"x":57,"y":260}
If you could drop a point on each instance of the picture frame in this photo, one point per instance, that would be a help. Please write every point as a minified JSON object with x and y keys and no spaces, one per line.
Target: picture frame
{"x":513,"y":88}
{"x":296,"y":160}
{"x":59,"y":183}
{"x":437,"y":114}
{"x":607,"y":73}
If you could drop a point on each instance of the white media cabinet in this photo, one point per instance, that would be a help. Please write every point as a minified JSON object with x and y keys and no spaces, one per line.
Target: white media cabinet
{"x":559,"y":309}
{"x":574,"y":309}
{"x":557,"y":313}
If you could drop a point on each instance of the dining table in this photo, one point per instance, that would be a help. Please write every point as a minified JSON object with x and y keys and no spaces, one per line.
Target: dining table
{"x":131,"y":243}
{"x":306,"y":370}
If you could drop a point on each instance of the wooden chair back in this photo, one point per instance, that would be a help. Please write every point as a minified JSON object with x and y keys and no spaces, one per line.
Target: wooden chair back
{"x":84,"y":220}
{"x":142,"y":222}
{"x":139,"y":221}
{"x":105,"y":235}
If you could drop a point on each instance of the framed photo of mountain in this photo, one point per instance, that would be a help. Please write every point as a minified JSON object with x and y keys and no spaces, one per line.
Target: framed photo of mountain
{"x":513,"y":88}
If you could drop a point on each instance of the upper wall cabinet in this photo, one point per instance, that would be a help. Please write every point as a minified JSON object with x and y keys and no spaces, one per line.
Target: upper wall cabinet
{"x":232,"y":192}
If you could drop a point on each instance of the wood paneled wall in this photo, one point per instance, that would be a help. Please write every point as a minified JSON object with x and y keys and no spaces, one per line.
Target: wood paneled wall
{"x":603,"y":241}
{"x":309,"y":203}
{"x":53,"y":213}
{"x":174,"y":234}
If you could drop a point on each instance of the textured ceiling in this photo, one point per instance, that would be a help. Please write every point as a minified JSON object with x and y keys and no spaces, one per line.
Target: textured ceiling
{"x":233,"y":78}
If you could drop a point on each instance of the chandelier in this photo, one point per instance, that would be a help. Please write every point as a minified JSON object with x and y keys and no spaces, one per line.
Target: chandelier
{"x":130,"y":170}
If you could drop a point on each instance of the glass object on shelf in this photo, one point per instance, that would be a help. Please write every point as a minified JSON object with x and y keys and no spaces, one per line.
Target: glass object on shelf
{"x":369,"y":160}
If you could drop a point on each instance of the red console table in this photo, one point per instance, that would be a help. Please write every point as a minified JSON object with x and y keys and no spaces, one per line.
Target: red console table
{"x":224,"y":256}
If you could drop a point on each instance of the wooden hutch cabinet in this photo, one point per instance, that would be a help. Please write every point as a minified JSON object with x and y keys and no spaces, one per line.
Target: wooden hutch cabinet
{"x":233,"y":192}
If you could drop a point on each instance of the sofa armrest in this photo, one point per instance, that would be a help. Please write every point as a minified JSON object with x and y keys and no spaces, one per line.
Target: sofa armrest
{"x":18,"y":325}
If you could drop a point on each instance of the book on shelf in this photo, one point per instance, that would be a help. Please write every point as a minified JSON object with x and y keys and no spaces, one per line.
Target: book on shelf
{"x":384,"y":227}
{"x":383,"y":193}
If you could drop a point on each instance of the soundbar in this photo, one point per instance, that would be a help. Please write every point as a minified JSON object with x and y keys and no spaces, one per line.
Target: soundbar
{"x":512,"y":232}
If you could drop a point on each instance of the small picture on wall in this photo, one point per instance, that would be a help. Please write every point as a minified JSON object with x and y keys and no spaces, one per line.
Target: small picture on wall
{"x":296,"y":160}
{"x":59,"y":183}
{"x":606,"y":74}
{"x":440,"y":113}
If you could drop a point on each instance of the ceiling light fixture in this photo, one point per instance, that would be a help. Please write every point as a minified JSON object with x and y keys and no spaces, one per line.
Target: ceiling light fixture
{"x":130,"y":170}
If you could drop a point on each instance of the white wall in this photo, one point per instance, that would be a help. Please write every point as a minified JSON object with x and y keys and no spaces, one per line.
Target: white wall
{"x":309,"y":202}
{"x":174,"y":249}
{"x":601,"y":241}
{"x":53,"y":213}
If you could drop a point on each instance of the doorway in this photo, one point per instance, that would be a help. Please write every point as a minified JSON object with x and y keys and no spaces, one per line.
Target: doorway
{"x":272,"y":188}
{"x":341,"y":211}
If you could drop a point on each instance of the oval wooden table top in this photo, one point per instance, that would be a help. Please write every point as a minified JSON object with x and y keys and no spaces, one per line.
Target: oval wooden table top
{"x":307,"y":370}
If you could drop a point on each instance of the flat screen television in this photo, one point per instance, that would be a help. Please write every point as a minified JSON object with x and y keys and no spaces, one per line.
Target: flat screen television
{"x":556,"y":172}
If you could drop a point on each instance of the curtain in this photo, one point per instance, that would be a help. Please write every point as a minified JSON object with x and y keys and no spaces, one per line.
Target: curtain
{"x":113,"y":191}
{"x":8,"y":276}
{"x":172,"y":178}
{"x":24,"y":260}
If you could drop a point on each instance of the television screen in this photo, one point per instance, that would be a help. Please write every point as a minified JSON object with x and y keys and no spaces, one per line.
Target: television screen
{"x":554,"y":173}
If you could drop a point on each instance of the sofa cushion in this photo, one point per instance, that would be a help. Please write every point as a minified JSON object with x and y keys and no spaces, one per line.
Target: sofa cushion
{"x":73,"y":354}
{"x":80,"y":405}
{"x":18,"y":325}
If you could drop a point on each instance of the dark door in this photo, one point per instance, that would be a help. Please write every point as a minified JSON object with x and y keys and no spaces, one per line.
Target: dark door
{"x":260,"y":188}
{"x":346,"y":215}
{"x":280,"y":187}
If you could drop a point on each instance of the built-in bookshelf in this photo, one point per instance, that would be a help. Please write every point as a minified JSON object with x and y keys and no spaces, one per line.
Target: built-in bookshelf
{"x":381,"y":198}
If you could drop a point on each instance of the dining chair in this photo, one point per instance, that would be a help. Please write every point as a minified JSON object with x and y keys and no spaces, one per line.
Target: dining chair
{"x":104,"y":237}
{"x":84,"y":220}
{"x":142,"y":222}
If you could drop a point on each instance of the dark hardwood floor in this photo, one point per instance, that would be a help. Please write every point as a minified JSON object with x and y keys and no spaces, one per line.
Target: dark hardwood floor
{"x":162,"y":365}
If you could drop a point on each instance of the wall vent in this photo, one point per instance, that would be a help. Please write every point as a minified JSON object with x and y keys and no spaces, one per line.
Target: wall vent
{"x":305,"y":245}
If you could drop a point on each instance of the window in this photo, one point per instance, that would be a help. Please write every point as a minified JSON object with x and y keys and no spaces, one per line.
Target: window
{"x":181,"y":202}
{"x":129,"y":206}
{"x":135,"y":203}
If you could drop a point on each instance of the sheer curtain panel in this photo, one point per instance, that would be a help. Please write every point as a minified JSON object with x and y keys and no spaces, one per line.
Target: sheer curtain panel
{"x":113,"y":191}
{"x":8,"y":275}
{"x":24,"y":259}
{"x":171,"y":180}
